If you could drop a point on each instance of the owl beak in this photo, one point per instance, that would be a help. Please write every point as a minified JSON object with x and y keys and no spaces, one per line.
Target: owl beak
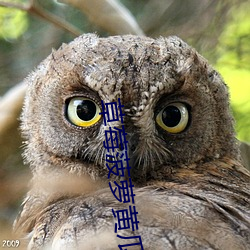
{"x":129,"y":154}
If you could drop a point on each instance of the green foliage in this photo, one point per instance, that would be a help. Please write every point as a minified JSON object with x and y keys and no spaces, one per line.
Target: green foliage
{"x":13,"y":23}
{"x":234,"y":65}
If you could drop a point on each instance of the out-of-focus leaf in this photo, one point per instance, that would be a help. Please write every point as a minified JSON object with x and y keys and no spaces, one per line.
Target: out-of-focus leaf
{"x":233,"y":54}
{"x":236,"y":35}
{"x":110,"y":15}
{"x":238,"y":81}
{"x":13,"y":23}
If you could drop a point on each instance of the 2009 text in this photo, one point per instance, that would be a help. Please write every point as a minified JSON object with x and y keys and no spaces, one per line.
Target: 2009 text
{"x":11,"y":243}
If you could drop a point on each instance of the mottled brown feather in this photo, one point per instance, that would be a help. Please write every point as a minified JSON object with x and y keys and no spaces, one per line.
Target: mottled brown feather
{"x":191,"y":190}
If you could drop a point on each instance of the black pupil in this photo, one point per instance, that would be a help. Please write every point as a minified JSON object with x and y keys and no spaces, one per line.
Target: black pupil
{"x":171,"y":116}
{"x":86,"y":110}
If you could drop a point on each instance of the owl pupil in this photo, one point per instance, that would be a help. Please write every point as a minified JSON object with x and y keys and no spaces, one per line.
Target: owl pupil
{"x":86,"y":110}
{"x":171,"y":116}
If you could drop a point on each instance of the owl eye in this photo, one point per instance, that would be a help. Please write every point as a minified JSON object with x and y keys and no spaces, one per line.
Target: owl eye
{"x":82,"y":112}
{"x":173,"y":118}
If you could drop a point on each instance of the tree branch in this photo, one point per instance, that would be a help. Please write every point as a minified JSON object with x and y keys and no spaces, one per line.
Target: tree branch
{"x":110,"y":15}
{"x":14,"y":5}
{"x":36,"y":10}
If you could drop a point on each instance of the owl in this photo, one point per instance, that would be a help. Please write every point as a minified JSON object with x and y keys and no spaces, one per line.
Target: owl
{"x":188,"y":189}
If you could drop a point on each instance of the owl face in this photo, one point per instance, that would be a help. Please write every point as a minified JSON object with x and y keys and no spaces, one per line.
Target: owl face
{"x":175,"y":106}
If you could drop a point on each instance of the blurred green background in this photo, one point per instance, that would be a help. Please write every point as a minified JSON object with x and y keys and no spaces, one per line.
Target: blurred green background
{"x":219,"y":30}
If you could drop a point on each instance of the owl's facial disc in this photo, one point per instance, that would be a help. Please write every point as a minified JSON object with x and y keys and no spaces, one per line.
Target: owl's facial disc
{"x":170,"y":117}
{"x":175,"y":104}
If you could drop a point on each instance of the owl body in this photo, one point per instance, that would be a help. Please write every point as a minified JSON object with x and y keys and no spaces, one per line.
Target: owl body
{"x":191,"y":191}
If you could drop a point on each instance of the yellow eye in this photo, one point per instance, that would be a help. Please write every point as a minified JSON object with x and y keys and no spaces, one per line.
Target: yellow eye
{"x":82,"y":112}
{"x":173,"y":118}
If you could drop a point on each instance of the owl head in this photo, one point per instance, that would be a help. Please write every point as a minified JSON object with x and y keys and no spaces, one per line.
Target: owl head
{"x":176,"y":107}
